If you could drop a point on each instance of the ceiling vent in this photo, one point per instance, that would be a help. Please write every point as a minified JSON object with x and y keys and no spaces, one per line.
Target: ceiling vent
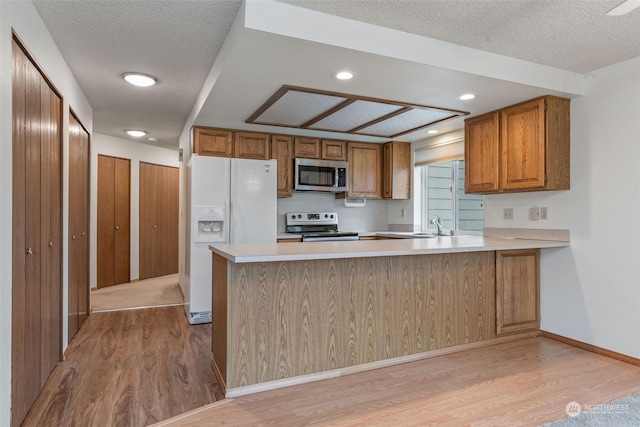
{"x":312,"y":109}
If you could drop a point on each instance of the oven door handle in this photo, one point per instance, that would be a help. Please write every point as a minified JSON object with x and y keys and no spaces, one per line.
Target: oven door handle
{"x":329,"y":239}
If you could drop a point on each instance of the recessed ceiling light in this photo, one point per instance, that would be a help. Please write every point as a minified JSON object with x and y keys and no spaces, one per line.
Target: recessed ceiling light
{"x":140,"y":79}
{"x":432,"y":131}
{"x":344,"y":75}
{"x":136,"y":133}
{"x":466,"y":96}
{"x":152,"y":139}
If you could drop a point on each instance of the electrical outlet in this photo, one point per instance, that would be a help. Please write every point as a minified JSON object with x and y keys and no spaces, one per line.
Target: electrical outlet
{"x":507,"y":213}
{"x":544,"y":215}
{"x":534,"y":214}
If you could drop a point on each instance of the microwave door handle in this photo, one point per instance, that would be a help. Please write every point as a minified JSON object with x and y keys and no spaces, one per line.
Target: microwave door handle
{"x":336,"y":177}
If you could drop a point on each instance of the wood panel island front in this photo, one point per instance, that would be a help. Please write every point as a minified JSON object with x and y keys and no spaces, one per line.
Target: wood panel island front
{"x":286,"y":314}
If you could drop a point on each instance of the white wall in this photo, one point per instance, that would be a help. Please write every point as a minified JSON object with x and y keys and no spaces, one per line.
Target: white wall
{"x":591,"y":291}
{"x":22,"y":17}
{"x":136,"y":152}
{"x":371,"y":217}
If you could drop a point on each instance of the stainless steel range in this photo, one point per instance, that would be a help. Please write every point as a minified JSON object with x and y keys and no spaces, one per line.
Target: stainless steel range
{"x":317,"y":227}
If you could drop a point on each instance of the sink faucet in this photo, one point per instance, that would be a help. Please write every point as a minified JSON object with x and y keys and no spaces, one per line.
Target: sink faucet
{"x":438,"y":222}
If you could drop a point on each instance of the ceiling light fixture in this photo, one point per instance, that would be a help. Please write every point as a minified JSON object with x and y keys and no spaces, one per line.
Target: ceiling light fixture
{"x":136,"y":133}
{"x":624,"y":8}
{"x":152,"y":139}
{"x":140,"y":79}
{"x":432,"y":131}
{"x":466,"y":96}
{"x":344,"y":75}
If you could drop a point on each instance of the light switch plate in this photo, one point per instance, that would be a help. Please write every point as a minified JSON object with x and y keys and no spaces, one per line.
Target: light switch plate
{"x":544,"y":215}
{"x":508,"y":213}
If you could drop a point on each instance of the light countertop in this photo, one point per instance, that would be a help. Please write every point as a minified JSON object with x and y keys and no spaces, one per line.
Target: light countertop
{"x":271,"y":252}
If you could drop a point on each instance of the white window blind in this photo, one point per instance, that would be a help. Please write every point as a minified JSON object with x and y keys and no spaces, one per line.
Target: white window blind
{"x":441,"y":152}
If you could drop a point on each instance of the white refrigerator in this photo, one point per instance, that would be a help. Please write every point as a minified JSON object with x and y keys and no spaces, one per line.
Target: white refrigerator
{"x":228,"y":201}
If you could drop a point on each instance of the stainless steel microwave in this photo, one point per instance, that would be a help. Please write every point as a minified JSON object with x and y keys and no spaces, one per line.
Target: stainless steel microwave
{"x":320,"y":175}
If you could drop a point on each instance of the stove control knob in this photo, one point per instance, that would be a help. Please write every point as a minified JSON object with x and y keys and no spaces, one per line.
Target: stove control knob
{"x":299,"y":216}
{"x":326,"y":216}
{"x":331,"y":216}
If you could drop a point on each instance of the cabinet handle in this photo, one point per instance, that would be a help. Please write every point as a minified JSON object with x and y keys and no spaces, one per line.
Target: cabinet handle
{"x":29,"y":251}
{"x":51,"y":244}
{"x":73,"y":237}
{"x":82,"y":234}
{"x":155,"y":226}
{"x":117,"y":228}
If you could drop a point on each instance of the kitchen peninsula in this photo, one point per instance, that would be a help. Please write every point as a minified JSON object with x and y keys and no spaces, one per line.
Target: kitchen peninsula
{"x":290,"y":313}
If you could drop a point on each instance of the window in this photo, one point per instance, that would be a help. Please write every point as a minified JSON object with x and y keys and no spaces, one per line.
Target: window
{"x":440,"y":191}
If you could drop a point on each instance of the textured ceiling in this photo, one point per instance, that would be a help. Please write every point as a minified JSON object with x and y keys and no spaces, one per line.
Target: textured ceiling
{"x":176,"y":41}
{"x":574,"y":35}
{"x":179,"y":40}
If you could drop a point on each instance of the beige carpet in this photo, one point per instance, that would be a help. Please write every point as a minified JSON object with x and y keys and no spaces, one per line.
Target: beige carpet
{"x":159,"y":291}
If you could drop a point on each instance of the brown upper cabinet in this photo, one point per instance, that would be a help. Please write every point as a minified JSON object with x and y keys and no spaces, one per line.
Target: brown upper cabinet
{"x":396,"y":169}
{"x":282,"y":151}
{"x":249,"y":145}
{"x":524,"y":147}
{"x":309,"y":148}
{"x":334,"y":150}
{"x":365,"y":170}
{"x":315,"y":148}
{"x":212,"y":142}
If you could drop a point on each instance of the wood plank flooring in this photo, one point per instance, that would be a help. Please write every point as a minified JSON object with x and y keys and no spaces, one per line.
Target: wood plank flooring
{"x":129,"y":368}
{"x":158,"y":291}
{"x":524,"y":383}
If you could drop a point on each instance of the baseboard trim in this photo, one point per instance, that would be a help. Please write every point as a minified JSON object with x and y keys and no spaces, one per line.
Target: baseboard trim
{"x":218,"y":376}
{"x":335,"y":373}
{"x":592,"y":348}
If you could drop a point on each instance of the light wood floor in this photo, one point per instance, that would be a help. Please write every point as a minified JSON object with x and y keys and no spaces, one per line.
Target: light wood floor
{"x":129,"y":368}
{"x":524,"y":383}
{"x":158,"y":291}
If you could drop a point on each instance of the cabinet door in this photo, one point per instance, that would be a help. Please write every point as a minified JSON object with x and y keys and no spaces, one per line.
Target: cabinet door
{"x":334,"y":150}
{"x":517,"y":291}
{"x":522,"y":146}
{"x":212,"y":142}
{"x":309,"y":148}
{"x":396,"y":170}
{"x":365,"y":170}
{"x":282,"y":151}
{"x":481,"y":154}
{"x":247,"y":145}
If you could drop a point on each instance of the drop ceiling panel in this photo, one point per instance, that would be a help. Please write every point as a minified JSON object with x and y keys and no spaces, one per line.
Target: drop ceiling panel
{"x":297,"y":108}
{"x":313,"y":109}
{"x":406,"y":122}
{"x":354,"y":115}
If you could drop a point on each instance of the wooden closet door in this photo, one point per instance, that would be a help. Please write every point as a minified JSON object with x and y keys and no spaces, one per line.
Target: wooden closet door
{"x":168,"y":212}
{"x":122,"y":220}
{"x":158,"y":220}
{"x":114,"y":206}
{"x":149,"y":193}
{"x":78,"y":296}
{"x":36,"y":255}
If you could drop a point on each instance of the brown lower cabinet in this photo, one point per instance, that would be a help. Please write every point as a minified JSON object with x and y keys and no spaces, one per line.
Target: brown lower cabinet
{"x":159,"y":186}
{"x":114,"y":220}
{"x":36,"y":324}
{"x":517,"y":291}
{"x":78,"y":262}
